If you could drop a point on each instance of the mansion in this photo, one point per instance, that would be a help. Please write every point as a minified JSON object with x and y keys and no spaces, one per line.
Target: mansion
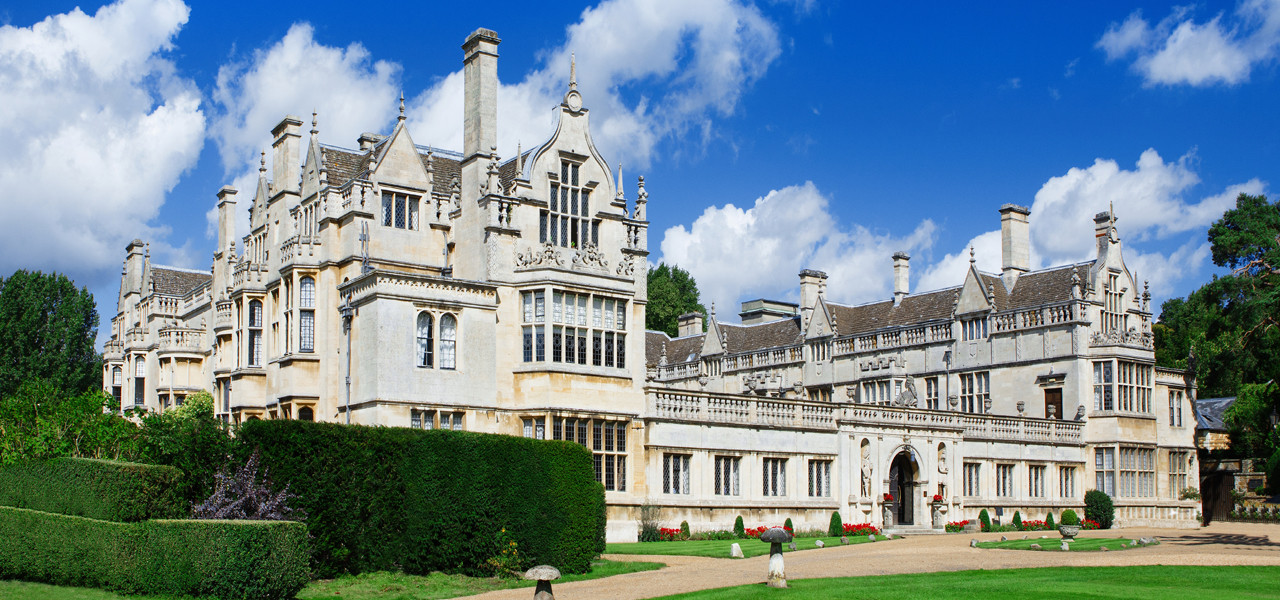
{"x":401,"y":285}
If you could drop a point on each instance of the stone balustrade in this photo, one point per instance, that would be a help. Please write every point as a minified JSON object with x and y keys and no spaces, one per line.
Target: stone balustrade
{"x":113,"y":350}
{"x":764,"y":358}
{"x":974,"y":426}
{"x":249,"y":274}
{"x":181,"y":339}
{"x":703,"y":408}
{"x":222,"y":315}
{"x":299,"y":249}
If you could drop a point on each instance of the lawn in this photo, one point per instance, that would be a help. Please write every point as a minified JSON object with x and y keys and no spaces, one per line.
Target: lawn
{"x":720,"y":548}
{"x":1082,"y":544}
{"x":368,"y":586}
{"x":1094,"y":583}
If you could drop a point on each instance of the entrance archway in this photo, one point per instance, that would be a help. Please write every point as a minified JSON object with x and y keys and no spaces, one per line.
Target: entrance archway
{"x":903,"y":472}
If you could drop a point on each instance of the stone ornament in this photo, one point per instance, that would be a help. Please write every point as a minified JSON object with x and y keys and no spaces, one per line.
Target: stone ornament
{"x":544,"y":575}
{"x":776,"y":537}
{"x":626,"y":267}
{"x":589,"y":256}
{"x":548,"y":256}
{"x":735,"y":551}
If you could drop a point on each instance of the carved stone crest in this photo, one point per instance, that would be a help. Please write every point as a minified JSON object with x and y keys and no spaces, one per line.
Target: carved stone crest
{"x":589,"y":256}
{"x":547,"y":256}
{"x":626,"y":267}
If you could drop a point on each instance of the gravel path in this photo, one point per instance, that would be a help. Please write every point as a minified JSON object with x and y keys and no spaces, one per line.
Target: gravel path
{"x":1217,"y":544}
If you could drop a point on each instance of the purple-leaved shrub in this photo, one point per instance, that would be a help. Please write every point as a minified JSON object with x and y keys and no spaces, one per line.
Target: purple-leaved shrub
{"x":239,"y":493}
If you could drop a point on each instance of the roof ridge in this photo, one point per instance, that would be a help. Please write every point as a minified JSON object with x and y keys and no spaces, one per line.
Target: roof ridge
{"x":181,"y":269}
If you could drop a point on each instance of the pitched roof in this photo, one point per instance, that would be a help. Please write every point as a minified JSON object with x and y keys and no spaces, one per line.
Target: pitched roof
{"x":761,"y":336}
{"x":914,"y":309}
{"x":679,"y":350}
{"x":1049,"y":286}
{"x":1211,"y":413}
{"x":343,"y":165}
{"x":173,"y":281}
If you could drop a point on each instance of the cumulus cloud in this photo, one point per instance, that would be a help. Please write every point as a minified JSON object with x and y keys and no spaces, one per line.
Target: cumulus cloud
{"x":1153,"y":203}
{"x":1178,"y":50}
{"x":742,"y":253}
{"x":295,"y":76}
{"x":98,"y":128}
{"x":700,"y":56}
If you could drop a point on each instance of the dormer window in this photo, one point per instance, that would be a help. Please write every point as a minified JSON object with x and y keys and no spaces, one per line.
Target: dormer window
{"x":567,"y":221}
{"x":399,"y":210}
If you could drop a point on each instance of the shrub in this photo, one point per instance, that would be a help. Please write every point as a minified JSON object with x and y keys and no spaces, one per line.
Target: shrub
{"x":985,"y":519}
{"x":191,"y":439}
{"x":380,"y":498}
{"x":1098,"y":507}
{"x":649,"y":519}
{"x":239,"y":494}
{"x":1069,"y":517}
{"x":1017,"y":520}
{"x":738,"y":529}
{"x":787,"y":525}
{"x":956,"y":526}
{"x":1189,"y":493}
{"x":1049,"y":524}
{"x":223,"y":559}
{"x":506,"y":559}
{"x":684,"y":530}
{"x":1089,"y":524}
{"x":836,"y":527}
{"x":97,"y":489}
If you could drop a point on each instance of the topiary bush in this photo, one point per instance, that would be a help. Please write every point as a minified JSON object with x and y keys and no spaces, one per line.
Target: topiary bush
{"x":738,"y":528}
{"x":98,"y":489}
{"x":985,"y":519}
{"x":787,"y":524}
{"x":383,"y":498}
{"x":1017,"y":521}
{"x":1069,"y":517}
{"x":1049,"y":524}
{"x":684,"y":530}
{"x":836,"y":528}
{"x":229,"y":560}
{"x":1099,"y":508}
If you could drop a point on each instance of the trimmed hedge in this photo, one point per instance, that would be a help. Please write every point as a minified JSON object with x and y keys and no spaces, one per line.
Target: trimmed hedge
{"x":224,"y":559}
{"x":97,"y":489}
{"x":382,"y":498}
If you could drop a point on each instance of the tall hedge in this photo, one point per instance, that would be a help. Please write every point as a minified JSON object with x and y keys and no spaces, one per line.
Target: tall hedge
{"x":229,"y":560}
{"x":389,"y":498}
{"x":97,"y":489}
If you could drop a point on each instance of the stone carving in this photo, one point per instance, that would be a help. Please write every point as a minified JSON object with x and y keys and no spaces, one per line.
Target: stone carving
{"x":852,"y":393}
{"x":455,"y":194}
{"x":589,"y":256}
{"x":942,"y":458}
{"x":626,"y":266}
{"x":867,"y":469}
{"x":547,"y":256}
{"x":908,"y":396}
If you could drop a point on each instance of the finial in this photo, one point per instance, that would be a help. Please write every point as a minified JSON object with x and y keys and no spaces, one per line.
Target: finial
{"x":713,"y":311}
{"x":573,"y":71}
{"x":519,"y":160}
{"x":315,"y":122}
{"x":621,"y":193}
{"x":973,"y":260}
{"x":262,"y":164}
{"x":401,"y":117}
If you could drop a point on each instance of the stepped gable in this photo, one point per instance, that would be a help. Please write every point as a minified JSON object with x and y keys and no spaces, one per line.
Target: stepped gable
{"x":173,"y":281}
{"x":679,"y":350}
{"x":762,"y":336}
{"x":1050,"y":286}
{"x":914,"y":309}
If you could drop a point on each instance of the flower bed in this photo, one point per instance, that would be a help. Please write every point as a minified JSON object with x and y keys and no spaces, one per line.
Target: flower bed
{"x":1034,"y":526}
{"x":1089,"y":525}
{"x":956,"y":526}
{"x":860,"y":529}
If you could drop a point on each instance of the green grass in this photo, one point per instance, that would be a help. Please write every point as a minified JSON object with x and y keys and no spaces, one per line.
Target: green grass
{"x":368,"y":586}
{"x":720,"y":548}
{"x":1082,"y":544}
{"x":1094,"y":583}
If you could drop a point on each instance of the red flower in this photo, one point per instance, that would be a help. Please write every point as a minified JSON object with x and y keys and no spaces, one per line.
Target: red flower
{"x":860,"y":529}
{"x":888,"y":497}
{"x":937,"y":497}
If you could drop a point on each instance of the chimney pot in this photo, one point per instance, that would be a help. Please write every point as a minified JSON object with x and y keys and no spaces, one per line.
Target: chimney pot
{"x":1015,"y":243}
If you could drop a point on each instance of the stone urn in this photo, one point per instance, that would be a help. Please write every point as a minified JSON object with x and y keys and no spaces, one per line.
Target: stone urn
{"x":1069,"y":532}
{"x":938,"y":521}
{"x":888,"y":515}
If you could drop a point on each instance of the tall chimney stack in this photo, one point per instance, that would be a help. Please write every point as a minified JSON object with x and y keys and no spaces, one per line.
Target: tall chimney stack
{"x":285,"y":160}
{"x":226,"y":219}
{"x":689,"y":324}
{"x":811,"y":284}
{"x":901,"y":276}
{"x":480,"y":96}
{"x":1015,"y":243}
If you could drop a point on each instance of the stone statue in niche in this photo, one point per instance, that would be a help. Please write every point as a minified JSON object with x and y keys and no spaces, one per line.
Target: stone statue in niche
{"x":866,"y":470}
{"x":908,"y":396}
{"x":942,"y":458}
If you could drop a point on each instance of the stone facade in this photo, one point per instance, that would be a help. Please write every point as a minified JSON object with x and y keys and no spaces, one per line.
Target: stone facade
{"x":399,"y":285}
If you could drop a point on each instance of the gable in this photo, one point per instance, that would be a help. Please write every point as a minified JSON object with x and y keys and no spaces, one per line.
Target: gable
{"x":821,"y":324}
{"x":399,"y":163}
{"x":973,"y":296}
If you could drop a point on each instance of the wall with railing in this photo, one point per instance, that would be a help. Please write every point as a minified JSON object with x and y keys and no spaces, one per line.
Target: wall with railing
{"x":699,"y":407}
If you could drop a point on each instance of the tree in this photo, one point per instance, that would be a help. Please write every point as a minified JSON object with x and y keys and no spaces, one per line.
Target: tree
{"x":672,"y":292}
{"x":191,"y":439}
{"x":40,"y":421}
{"x":47,"y":331}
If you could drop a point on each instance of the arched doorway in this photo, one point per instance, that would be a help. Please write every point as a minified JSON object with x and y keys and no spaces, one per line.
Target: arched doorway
{"x":902,"y":484}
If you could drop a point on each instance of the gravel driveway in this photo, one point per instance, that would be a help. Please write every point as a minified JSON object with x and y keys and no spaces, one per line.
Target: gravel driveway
{"x":1217,"y":544}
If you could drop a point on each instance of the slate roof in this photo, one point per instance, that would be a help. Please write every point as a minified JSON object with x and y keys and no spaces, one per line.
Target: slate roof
{"x":1049,"y":286}
{"x":345,"y":165}
{"x":918,"y":308}
{"x":761,"y":336}
{"x":172,"y":281}
{"x":681,"y":349}
{"x":1211,"y":413}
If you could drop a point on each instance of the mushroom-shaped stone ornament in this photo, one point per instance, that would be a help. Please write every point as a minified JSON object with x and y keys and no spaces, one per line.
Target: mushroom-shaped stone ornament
{"x":776,"y":537}
{"x":544,"y":575}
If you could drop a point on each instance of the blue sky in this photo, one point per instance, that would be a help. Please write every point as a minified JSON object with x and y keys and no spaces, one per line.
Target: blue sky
{"x":773,"y":136}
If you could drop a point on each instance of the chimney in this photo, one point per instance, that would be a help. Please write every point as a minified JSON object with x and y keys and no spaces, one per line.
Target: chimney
{"x":1102,"y":229}
{"x":689,"y":324}
{"x":901,"y":276}
{"x":134,"y":264}
{"x":368,"y":140}
{"x":1015,"y":242}
{"x":285,"y":159}
{"x":763,"y":311}
{"x":811,"y":286}
{"x":480,"y":96}
{"x":226,"y":218}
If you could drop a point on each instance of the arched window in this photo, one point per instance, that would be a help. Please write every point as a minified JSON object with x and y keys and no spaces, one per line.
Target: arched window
{"x":139,"y":380}
{"x":255,"y":333}
{"x":306,"y":414}
{"x":448,"y":341}
{"x":307,"y":316}
{"x":426,"y":345}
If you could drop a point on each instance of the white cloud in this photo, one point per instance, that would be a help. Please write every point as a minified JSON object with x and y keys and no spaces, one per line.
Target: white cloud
{"x":297,"y":75}
{"x":700,"y":56}
{"x":1177,"y":50}
{"x":736,"y":253}
{"x":98,"y":129}
{"x":950,"y":270}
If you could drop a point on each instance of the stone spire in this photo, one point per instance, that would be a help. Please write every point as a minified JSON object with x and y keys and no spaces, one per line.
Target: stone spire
{"x":642,"y":197}
{"x":573,"y":71}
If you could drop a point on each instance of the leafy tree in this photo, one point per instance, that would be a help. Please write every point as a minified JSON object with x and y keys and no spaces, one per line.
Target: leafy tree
{"x":47,"y":331}
{"x":40,"y":421}
{"x":672,"y":292}
{"x":1227,"y":332}
{"x":191,"y":439}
